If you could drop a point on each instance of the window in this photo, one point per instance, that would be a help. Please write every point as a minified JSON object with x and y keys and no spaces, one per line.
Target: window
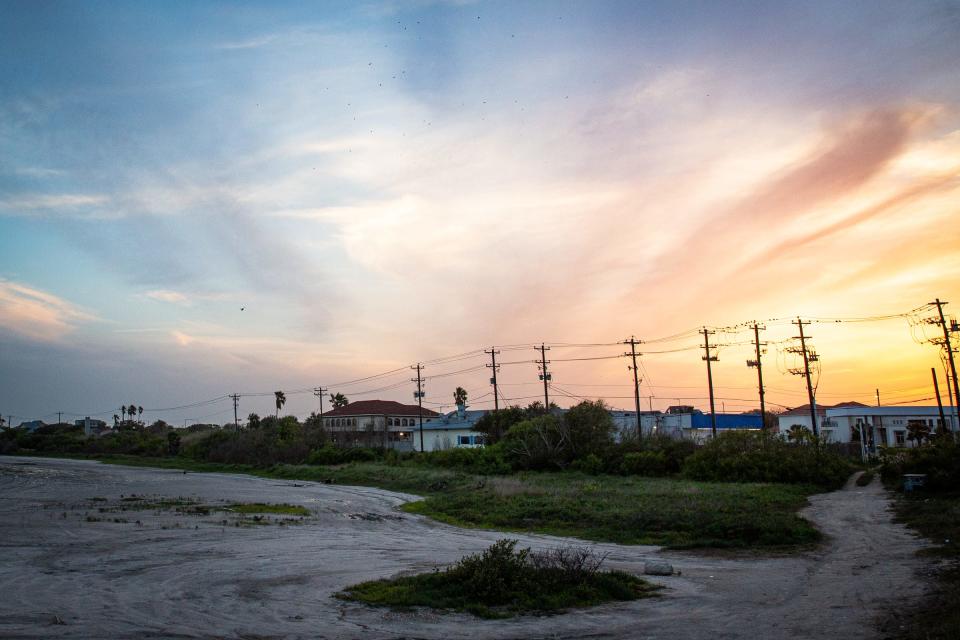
{"x":462,"y":440}
{"x":403,"y":423}
{"x":900,"y":437}
{"x":389,"y":422}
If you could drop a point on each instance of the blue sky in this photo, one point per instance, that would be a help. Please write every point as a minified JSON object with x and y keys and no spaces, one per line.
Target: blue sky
{"x":385,"y":182}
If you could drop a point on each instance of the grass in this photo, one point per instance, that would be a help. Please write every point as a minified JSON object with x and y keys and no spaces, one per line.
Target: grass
{"x":937,"y":517}
{"x":627,"y":510}
{"x":262,"y":507}
{"x":502,"y":582}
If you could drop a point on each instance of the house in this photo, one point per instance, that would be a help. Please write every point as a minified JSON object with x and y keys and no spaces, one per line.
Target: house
{"x":32,"y":425}
{"x":376,"y":423}
{"x":883,"y":426}
{"x":454,"y":429}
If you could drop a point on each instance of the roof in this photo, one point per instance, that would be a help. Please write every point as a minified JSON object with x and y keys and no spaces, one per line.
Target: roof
{"x":454,"y":420}
{"x":379,"y":408}
{"x":895,"y":411}
{"x":804,"y":409}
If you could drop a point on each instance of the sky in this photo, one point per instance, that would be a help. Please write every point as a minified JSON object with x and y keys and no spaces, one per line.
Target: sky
{"x":206,"y":198}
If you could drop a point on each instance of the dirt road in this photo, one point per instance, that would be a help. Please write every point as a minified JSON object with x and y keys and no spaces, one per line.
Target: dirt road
{"x":93,"y":550}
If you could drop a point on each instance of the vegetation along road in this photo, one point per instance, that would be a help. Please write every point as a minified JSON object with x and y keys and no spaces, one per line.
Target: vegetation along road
{"x":94,"y":550}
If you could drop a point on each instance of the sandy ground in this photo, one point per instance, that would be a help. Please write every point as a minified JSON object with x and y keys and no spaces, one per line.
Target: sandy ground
{"x":69,"y":570}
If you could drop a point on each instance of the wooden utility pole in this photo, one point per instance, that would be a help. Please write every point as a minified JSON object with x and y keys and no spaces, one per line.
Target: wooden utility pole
{"x":318,"y":392}
{"x":236,"y":419}
{"x":493,"y":380}
{"x":949,"y":348}
{"x":633,"y":342}
{"x":710,"y":358}
{"x":759,"y":365}
{"x":936,"y":392}
{"x":545,"y":376}
{"x":807,"y":359}
{"x":418,"y":394}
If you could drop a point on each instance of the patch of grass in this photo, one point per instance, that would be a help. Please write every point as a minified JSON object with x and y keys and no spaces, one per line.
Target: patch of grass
{"x":628,"y":510}
{"x":674,"y":513}
{"x":937,"y":517}
{"x":502,"y":582}
{"x":865,"y":478}
{"x":262,"y":507}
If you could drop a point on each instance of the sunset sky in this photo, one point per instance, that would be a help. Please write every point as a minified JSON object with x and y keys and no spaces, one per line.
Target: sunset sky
{"x":381,"y":183}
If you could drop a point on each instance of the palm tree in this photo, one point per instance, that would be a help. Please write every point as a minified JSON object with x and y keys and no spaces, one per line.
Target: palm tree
{"x":123,"y":413}
{"x":116,"y":421}
{"x":338,"y":400}
{"x":132,"y":411}
{"x":281,"y":399}
{"x":460,"y":396}
{"x":140,"y":413}
{"x":798,"y":433}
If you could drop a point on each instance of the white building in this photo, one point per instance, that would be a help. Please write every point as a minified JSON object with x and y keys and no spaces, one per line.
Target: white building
{"x":882,"y":426}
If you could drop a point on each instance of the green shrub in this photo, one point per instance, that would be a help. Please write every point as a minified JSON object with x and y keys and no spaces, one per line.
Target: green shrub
{"x":645,"y":463}
{"x":488,"y":460}
{"x":939,"y":458}
{"x":744,"y":456}
{"x":592,"y":464}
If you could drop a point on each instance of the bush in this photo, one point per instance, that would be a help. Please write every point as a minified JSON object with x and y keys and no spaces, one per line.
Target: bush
{"x":645,"y":463}
{"x":539,"y":443}
{"x":939,"y":458}
{"x":502,"y":581}
{"x":760,"y":457}
{"x":488,"y":460}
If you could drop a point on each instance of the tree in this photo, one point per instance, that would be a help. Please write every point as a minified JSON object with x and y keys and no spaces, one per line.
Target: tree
{"x":588,"y":428}
{"x":123,"y":413}
{"x":140,"y":413}
{"x":131,"y":411}
{"x":460,"y":396}
{"x":918,"y":431}
{"x":173,"y":443}
{"x":116,"y":421}
{"x":495,"y":424}
{"x":280,"y":399}
{"x":338,"y":400}
{"x":253,"y":421}
{"x":799,"y":434}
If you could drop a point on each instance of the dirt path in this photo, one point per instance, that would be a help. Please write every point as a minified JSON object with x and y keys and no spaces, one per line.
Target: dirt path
{"x":70,"y":571}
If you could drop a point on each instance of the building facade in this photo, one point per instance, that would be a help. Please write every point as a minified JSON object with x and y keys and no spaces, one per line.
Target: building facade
{"x":376,"y":423}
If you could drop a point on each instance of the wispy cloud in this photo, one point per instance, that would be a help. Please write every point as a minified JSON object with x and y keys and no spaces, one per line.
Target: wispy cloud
{"x":164,"y":295}
{"x":36,"y":314}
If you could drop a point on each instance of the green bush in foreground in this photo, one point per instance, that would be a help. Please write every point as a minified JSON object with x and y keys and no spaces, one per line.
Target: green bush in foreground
{"x":762,"y":457}
{"x":501,"y":582}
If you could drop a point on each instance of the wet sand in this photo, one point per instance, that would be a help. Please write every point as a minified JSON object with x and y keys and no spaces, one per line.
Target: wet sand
{"x":83,"y":558}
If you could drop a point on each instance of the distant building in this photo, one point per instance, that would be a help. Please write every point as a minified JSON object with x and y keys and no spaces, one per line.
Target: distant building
{"x":92,"y":427}
{"x":376,"y":423}
{"x":32,"y":425}
{"x":453,"y":429}
{"x":880,"y":426}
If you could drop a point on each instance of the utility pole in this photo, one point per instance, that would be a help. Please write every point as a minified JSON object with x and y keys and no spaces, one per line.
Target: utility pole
{"x":936,"y":391}
{"x":633,"y":342}
{"x":59,"y":418}
{"x":950,"y":350}
{"x":418,"y":394}
{"x":808,"y":357}
{"x":493,"y":369}
{"x":318,"y":392}
{"x":710,"y":358}
{"x":545,"y":376}
{"x":759,"y":365}
{"x":236,"y":419}
{"x":878,"y":396}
